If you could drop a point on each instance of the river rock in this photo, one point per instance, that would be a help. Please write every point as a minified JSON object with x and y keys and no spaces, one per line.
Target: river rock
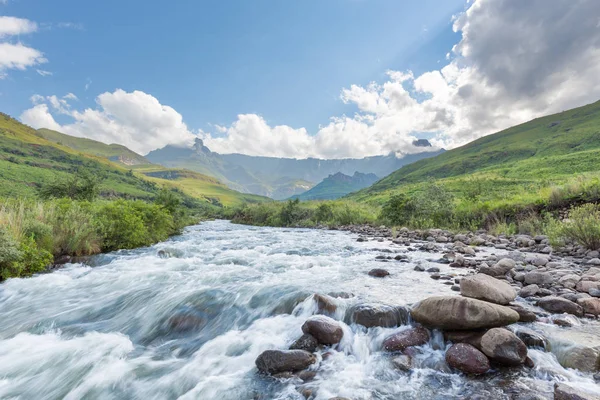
{"x":498,"y":269}
{"x":461,"y":313}
{"x":529,"y":291}
{"x":524,"y":314}
{"x":402,"y":362}
{"x":278,"y":361}
{"x":378,"y":273}
{"x":538,"y":278}
{"x":532,"y":338}
{"x":566,"y":392}
{"x":569,"y":281}
{"x":487,"y":288}
{"x":399,"y":341}
{"x":467,"y":359}
{"x":305,"y":342}
{"x":326,"y":330}
{"x":325,"y":304}
{"x":558,"y":305}
{"x":371,"y":315}
{"x":470,"y":337}
{"x":504,"y":347}
{"x":590,"y":305}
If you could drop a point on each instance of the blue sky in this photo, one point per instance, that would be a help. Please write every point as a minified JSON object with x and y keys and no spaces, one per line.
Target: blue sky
{"x":292,"y":78}
{"x":212,"y":60}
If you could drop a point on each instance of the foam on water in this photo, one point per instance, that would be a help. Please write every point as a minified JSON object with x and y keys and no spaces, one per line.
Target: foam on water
{"x":107,"y":332}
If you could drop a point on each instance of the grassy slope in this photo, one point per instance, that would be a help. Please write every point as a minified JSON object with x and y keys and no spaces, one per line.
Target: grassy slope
{"x":28,"y":159}
{"x":114,"y":152}
{"x":517,"y":164}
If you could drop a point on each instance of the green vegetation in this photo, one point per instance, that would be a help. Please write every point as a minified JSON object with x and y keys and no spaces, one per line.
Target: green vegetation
{"x":582,"y":227}
{"x":303,"y":214}
{"x":337,"y":185}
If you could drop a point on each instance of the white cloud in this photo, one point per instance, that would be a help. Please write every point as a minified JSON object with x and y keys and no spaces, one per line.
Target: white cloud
{"x":516,"y":60}
{"x":43,"y":72}
{"x":136,"y":120}
{"x":70,"y":96}
{"x":11,"y":26}
{"x":16,"y":55}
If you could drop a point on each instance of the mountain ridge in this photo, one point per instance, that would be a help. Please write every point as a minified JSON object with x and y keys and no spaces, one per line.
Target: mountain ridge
{"x":338,"y":185}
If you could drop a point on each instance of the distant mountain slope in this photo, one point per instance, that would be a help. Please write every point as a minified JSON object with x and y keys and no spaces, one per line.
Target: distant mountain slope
{"x":338,"y":185}
{"x":28,"y":160}
{"x":114,"y":152}
{"x":268,"y":175}
{"x":542,"y":152}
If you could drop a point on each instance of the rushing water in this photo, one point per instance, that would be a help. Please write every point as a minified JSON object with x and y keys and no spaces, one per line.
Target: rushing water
{"x":140,"y":326}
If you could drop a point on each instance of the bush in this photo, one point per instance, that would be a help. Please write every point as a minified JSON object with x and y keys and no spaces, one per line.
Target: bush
{"x":397,"y":210}
{"x":582,"y":226}
{"x":80,"y":186}
{"x":74,"y":229}
{"x":9,"y":254}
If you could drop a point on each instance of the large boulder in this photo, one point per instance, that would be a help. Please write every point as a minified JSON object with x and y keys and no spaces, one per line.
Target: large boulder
{"x":326,"y":330}
{"x":487,"y":288}
{"x":503,"y":347}
{"x":467,"y":359}
{"x":383,"y":315}
{"x":278,"y":361}
{"x":538,"y":278}
{"x":559,"y":305}
{"x":399,"y":341}
{"x":460,"y":313}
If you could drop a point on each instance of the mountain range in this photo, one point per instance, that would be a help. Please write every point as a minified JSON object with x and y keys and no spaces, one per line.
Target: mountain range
{"x":278,"y":178}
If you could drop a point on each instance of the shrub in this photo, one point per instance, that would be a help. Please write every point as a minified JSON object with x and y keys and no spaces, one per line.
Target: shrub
{"x":9,"y":254}
{"x":80,"y":186}
{"x":74,"y":229}
{"x":290,"y":213}
{"x":33,"y":259}
{"x":583,"y":226}
{"x":324,"y":213}
{"x":397,"y":210}
{"x":120,"y":226}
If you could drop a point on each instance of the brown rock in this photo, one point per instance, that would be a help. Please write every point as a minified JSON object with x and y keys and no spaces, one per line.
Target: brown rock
{"x":461,"y":313}
{"x":503,"y":347}
{"x":370,"y":315}
{"x":326,"y":330}
{"x":566,"y":392}
{"x":590,"y":305}
{"x":305,"y":342}
{"x":467,"y":359}
{"x":399,"y":341}
{"x":378,"y":273}
{"x":559,"y":305}
{"x":487,"y":288}
{"x":277,"y":361}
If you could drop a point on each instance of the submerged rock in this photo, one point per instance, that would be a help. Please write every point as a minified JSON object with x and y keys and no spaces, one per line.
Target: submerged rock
{"x":487,"y":288}
{"x":325,"y":303}
{"x":378,"y":273}
{"x":461,"y":313}
{"x":467,"y":359}
{"x":402,"y":362}
{"x":399,"y":341}
{"x":503,"y":347}
{"x":326,"y":330}
{"x":278,"y":361}
{"x":305,"y":342}
{"x":371,"y":315}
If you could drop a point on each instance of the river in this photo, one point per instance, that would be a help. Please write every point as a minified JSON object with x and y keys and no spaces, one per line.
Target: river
{"x":186,"y":319}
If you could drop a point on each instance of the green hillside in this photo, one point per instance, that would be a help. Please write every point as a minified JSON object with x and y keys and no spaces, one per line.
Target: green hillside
{"x":519,"y":164}
{"x":338,"y":185}
{"x":114,"y":152}
{"x":28,"y":160}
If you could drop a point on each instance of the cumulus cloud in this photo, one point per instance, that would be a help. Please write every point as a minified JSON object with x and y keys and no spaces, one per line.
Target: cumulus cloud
{"x":17,"y":55}
{"x":516,"y":60}
{"x":134,"y":119}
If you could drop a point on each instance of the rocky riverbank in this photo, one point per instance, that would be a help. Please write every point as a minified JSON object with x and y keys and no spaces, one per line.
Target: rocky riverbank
{"x":521,"y":295}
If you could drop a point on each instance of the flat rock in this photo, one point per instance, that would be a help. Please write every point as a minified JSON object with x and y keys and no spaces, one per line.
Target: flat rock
{"x":383,"y":315}
{"x":566,"y":392}
{"x":487,"y":288}
{"x":461,"y":313}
